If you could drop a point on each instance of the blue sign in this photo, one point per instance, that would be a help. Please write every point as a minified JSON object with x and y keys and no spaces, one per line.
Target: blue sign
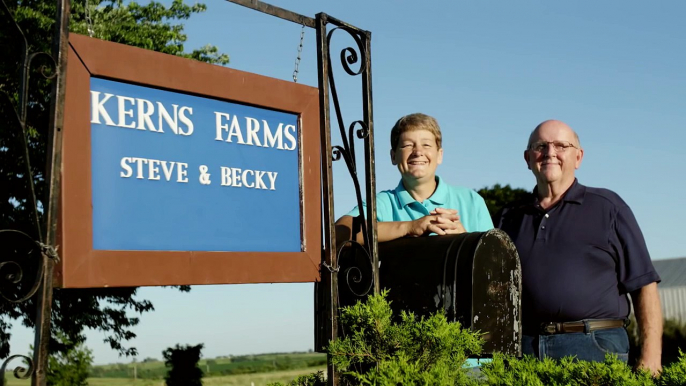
{"x":176,"y":172}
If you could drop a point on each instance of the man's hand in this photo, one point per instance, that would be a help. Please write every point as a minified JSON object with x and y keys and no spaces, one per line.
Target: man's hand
{"x":653,"y":366}
{"x":649,"y":317}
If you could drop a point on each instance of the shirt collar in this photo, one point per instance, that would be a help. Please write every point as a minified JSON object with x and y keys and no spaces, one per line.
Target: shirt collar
{"x":439,"y":197}
{"x":574,"y":194}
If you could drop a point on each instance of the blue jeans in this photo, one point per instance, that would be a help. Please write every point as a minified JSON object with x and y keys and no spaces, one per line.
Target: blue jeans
{"x":590,"y":346}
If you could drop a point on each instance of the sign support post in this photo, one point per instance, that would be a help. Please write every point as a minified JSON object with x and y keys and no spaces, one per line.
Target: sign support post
{"x":44,"y":295}
{"x":326,"y":291}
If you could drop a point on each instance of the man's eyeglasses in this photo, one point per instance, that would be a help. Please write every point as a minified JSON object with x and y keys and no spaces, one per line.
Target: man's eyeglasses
{"x":560,"y":146}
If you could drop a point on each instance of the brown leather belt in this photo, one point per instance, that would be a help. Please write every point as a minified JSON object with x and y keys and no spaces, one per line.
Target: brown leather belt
{"x":580,"y":326}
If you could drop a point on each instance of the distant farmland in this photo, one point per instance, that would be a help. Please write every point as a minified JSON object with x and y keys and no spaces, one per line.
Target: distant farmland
{"x":238,"y":370}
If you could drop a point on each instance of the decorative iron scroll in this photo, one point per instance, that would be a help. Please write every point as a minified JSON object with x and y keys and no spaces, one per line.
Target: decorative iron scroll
{"x":19,"y":371}
{"x":358,"y":274}
{"x":22,"y":256}
{"x":15,"y":118}
{"x":359,"y":277}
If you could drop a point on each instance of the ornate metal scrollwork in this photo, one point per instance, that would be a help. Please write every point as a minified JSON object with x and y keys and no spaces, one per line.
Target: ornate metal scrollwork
{"x":19,"y":371}
{"x":22,"y":256}
{"x":358,"y":275}
{"x":48,"y":72}
{"x":19,"y":118}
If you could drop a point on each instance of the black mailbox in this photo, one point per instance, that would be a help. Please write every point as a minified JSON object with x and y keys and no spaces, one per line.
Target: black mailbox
{"x":474,"y":277}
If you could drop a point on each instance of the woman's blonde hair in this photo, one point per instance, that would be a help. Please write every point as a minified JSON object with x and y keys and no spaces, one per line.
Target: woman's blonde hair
{"x":412,"y":122}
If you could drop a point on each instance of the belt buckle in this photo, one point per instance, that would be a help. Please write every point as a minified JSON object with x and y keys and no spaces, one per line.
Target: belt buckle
{"x":549,"y":328}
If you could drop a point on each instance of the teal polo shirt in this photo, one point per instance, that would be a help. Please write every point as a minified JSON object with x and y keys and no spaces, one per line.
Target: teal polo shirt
{"x":399,"y":205}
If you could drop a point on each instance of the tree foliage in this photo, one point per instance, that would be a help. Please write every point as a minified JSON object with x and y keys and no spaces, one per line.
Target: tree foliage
{"x":148,"y":26}
{"x":152,"y":26}
{"x":182,"y":362}
{"x":70,"y":367}
{"x":498,"y":196}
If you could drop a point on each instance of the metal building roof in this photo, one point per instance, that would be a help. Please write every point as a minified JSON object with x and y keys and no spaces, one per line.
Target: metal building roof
{"x":671,"y":271}
{"x":673,"y":300}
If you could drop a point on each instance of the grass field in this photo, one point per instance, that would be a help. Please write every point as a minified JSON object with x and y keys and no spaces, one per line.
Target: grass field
{"x":259,"y":379}
{"x":246,"y":364}
{"x":237,"y":370}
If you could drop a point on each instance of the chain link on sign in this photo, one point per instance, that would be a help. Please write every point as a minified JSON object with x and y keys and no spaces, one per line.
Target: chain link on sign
{"x":89,"y":21}
{"x":300,"y":50}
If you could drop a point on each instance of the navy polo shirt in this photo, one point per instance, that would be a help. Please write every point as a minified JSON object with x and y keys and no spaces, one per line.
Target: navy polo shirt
{"x":579,"y":258}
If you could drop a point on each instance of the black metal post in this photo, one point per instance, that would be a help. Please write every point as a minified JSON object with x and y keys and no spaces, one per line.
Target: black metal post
{"x":329,"y":283}
{"x":370,"y":165}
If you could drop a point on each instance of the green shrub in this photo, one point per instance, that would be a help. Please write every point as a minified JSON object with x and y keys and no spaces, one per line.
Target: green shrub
{"x":414,"y":350}
{"x":314,"y":379}
{"x":528,"y":371}
{"x":430,"y":351}
{"x":378,"y":351}
{"x":675,"y":373}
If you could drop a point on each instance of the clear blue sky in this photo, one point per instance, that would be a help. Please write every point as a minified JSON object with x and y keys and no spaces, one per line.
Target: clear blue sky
{"x":489,"y":72}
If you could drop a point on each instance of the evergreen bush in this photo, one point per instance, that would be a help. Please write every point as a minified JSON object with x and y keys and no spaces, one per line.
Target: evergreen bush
{"x":375,"y":350}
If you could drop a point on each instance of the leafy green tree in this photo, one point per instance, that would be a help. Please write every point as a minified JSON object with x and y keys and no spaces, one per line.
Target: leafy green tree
{"x":71,"y":367}
{"x":498,"y":196}
{"x":153,"y":26}
{"x":148,"y":26}
{"x":182,"y":362}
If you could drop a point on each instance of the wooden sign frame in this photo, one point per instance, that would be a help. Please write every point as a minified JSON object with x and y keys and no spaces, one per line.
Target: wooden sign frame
{"x":83,"y":267}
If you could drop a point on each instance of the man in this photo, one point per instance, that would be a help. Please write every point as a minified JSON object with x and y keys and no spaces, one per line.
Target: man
{"x":582,"y":252}
{"x":422,"y":203}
